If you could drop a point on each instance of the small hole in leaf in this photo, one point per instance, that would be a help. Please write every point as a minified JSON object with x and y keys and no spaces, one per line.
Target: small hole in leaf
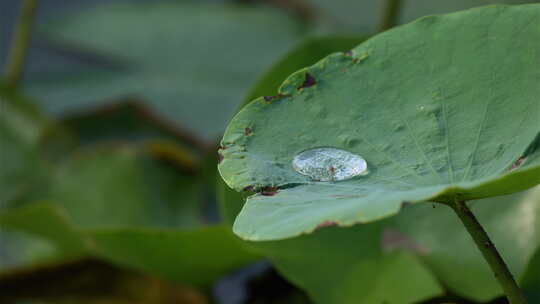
{"x":308,"y":82}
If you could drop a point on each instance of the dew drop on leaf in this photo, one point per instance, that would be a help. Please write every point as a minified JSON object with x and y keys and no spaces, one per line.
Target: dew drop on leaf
{"x":329,"y":164}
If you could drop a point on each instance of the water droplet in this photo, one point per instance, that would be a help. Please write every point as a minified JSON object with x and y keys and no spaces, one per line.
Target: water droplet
{"x":329,"y":164}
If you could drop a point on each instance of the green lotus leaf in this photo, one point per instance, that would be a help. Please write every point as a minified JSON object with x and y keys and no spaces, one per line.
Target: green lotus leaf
{"x":182,"y":255}
{"x":181,"y":58}
{"x":119,"y":204}
{"x":21,"y":129}
{"x":38,"y":234}
{"x":440,"y":109}
{"x":531,"y":279}
{"x":435,"y":244}
{"x":358,"y":271}
{"x":119,"y":186}
{"x":21,"y":249}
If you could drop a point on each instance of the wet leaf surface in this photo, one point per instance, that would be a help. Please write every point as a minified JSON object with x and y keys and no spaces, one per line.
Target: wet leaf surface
{"x":404,"y":101}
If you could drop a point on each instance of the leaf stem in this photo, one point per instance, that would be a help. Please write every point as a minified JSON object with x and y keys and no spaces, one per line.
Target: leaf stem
{"x":19,"y":44}
{"x":490,"y":253}
{"x":390,"y":14}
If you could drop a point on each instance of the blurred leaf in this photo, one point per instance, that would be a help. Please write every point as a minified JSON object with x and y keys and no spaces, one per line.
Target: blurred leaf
{"x":195,"y":256}
{"x":21,"y":249}
{"x":189,"y":61}
{"x":21,"y":128}
{"x":347,"y":16}
{"x":24,"y":169}
{"x":351,"y":273}
{"x":531,"y":279}
{"x":120,"y":187}
{"x":425,"y":132}
{"x":21,"y":116}
{"x":176,"y":153}
{"x":20,"y":166}
{"x":123,"y":206}
{"x":92,"y":281}
{"x":38,"y":227}
{"x":365,"y":16}
{"x":129,"y":120}
{"x":513,"y":223}
{"x":183,"y":255}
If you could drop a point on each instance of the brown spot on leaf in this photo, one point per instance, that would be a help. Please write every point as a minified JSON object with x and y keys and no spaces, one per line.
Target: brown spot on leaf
{"x":270,"y":98}
{"x":518,"y":163}
{"x":269,"y":191}
{"x":249,"y":188}
{"x":308,"y":82}
{"x":326,"y":224}
{"x":361,"y":58}
{"x":248,"y":131}
{"x":350,"y":54}
{"x":220,"y":156}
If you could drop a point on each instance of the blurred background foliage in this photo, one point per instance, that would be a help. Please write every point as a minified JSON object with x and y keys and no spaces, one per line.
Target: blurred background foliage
{"x":108,"y":187}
